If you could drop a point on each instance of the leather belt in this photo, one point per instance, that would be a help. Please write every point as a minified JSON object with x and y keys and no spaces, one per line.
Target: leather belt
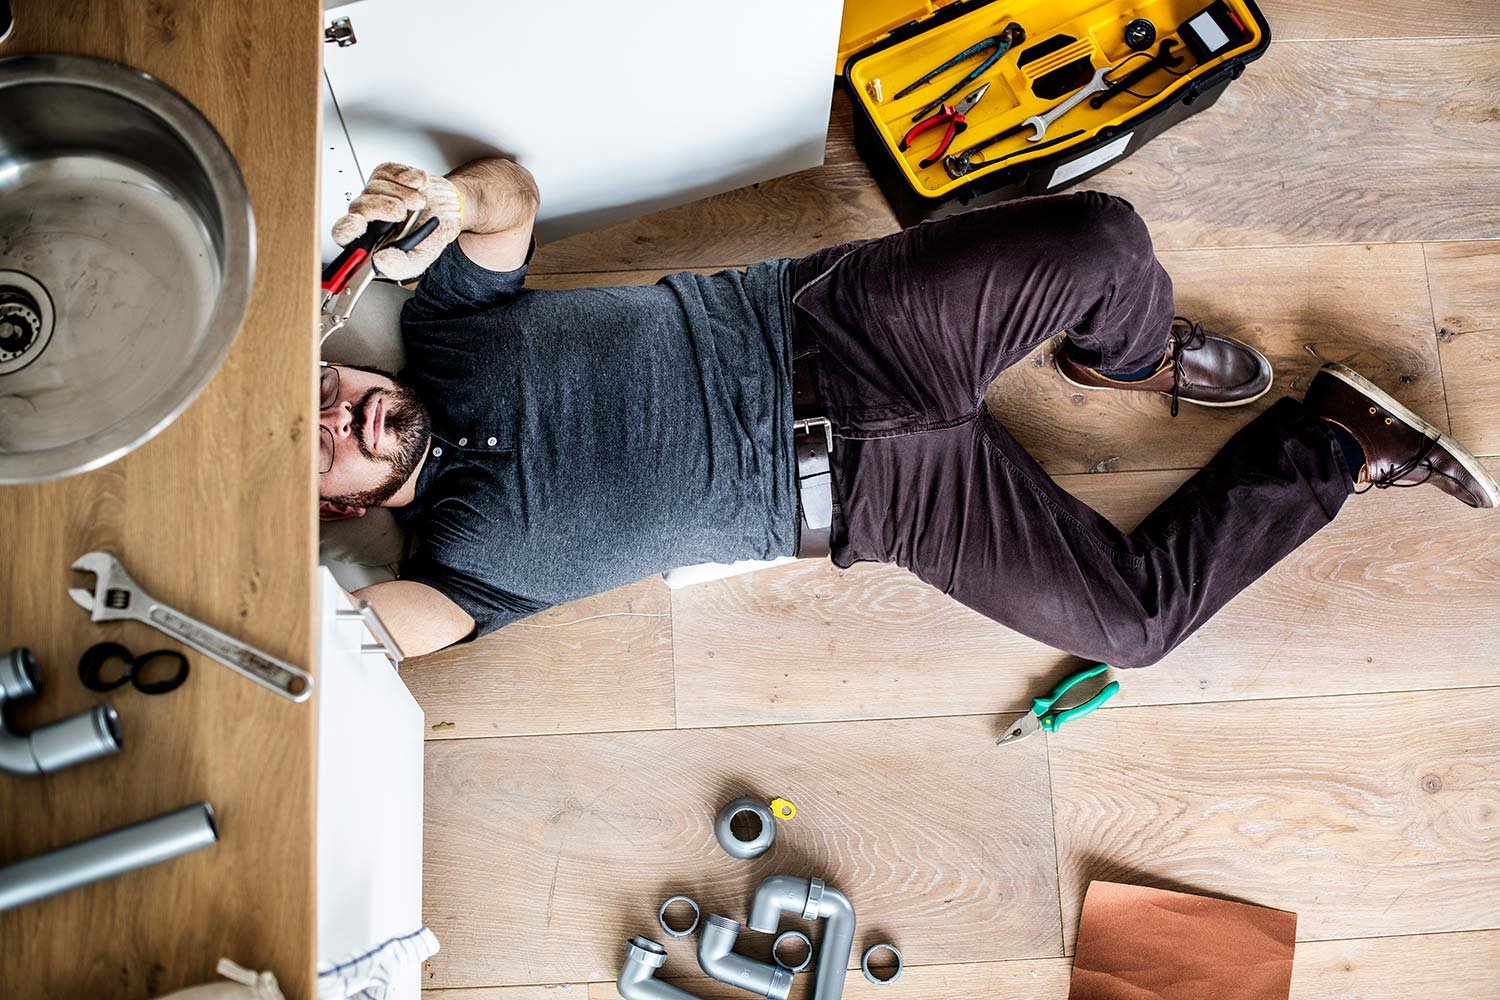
{"x":812,"y":436}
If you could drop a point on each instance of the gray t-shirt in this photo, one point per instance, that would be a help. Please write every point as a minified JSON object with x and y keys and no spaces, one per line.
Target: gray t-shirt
{"x":585,"y":439}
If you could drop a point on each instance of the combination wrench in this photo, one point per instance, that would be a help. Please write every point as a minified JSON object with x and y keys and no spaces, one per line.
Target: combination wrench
{"x":116,"y":597}
{"x":1040,"y":122}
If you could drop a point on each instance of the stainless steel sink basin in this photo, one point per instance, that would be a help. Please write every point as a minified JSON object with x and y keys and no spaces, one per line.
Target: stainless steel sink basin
{"x":127,"y":251}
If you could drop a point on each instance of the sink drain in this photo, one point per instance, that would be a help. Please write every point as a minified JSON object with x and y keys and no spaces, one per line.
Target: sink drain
{"x":26,"y":320}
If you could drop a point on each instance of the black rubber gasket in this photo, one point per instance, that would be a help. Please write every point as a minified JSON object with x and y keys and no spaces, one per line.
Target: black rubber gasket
{"x":171,"y":683}
{"x":94,"y":660}
{"x":91,"y":666}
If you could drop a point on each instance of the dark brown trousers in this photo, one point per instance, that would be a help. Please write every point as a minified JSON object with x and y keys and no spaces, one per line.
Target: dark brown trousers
{"x":911,"y":329}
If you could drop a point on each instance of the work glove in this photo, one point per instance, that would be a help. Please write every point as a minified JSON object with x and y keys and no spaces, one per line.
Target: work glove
{"x":394,"y":190}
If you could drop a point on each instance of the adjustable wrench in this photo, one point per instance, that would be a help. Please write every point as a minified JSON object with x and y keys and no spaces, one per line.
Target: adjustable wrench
{"x":116,"y":597}
{"x":1040,"y":122}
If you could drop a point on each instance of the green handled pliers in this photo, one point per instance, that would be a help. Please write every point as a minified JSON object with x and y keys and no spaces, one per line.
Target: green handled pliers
{"x":1044,"y":714}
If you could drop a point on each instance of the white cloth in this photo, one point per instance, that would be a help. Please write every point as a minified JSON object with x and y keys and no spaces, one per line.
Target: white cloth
{"x":372,"y":975}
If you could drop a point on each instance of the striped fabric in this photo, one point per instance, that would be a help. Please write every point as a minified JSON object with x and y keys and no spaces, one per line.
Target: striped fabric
{"x":372,"y":975}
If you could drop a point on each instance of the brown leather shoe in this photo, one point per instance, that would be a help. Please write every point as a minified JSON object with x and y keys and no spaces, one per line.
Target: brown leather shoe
{"x":1208,"y":369}
{"x":1401,"y":449}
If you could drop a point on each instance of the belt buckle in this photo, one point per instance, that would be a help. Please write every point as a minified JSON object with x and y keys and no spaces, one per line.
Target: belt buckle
{"x":805,"y":426}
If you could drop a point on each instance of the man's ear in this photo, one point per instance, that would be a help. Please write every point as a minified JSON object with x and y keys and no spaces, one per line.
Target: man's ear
{"x":329,"y":510}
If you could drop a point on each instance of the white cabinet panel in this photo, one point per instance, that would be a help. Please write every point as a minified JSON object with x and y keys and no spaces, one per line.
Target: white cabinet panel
{"x":341,"y":175}
{"x":369,"y":794}
{"x":617,"y":108}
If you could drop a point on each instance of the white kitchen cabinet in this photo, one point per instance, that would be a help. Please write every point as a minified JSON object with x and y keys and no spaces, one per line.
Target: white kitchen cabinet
{"x":618,"y":108}
{"x":370,"y":735}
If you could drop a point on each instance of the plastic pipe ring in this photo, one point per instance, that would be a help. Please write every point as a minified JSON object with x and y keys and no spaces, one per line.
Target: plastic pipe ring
{"x":814,"y":901}
{"x":757,"y":845}
{"x":661,"y":917}
{"x":806,"y":943}
{"x":864,"y":964}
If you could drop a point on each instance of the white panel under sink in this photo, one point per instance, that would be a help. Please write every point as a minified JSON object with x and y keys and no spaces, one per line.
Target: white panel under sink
{"x":342,"y":178}
{"x":618,"y":108}
{"x":369,"y":808}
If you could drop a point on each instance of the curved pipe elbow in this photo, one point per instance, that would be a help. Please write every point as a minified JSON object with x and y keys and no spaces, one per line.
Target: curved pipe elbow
{"x":775,"y":895}
{"x":717,"y":958}
{"x":810,"y":899}
{"x":15,"y":753}
{"x":78,"y":738}
{"x":837,"y":944}
{"x":637,"y":979}
{"x":835,"y":906}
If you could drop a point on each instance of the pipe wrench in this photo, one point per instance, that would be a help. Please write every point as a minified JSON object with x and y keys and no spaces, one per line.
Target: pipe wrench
{"x":116,"y":597}
{"x":1040,"y":122}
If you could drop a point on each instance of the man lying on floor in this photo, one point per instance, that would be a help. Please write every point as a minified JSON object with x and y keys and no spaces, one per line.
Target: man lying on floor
{"x":542,"y":446}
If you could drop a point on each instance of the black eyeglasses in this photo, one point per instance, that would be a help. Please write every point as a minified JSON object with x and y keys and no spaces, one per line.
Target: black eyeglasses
{"x":328,"y":396}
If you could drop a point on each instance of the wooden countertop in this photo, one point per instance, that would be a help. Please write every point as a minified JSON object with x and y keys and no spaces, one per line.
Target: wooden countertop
{"x":215,"y":515}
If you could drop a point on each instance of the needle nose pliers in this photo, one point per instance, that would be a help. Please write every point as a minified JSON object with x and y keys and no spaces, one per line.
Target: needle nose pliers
{"x":953,"y":117}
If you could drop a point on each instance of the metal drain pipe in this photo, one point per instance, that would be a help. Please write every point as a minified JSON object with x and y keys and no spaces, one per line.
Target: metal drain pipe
{"x":809,"y":899}
{"x":148,"y":842}
{"x":95,"y":733}
{"x":716,"y":956}
{"x":638,"y":981}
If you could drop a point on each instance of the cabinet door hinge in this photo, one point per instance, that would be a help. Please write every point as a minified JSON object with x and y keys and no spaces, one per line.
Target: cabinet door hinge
{"x":340,"y":31}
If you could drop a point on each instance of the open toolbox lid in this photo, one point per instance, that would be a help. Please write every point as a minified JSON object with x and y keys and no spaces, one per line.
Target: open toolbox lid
{"x":901,"y":36}
{"x":868,"y":21}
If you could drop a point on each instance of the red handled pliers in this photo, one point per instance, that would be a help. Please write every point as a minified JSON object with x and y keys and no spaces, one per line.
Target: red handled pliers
{"x":953,"y":117}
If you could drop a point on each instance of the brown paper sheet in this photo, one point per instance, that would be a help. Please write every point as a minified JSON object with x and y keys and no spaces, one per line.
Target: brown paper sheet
{"x":1136,"y":943}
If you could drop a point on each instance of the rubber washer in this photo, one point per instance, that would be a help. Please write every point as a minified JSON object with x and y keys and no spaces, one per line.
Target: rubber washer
{"x":776,"y":950}
{"x":661,"y":916}
{"x":864,"y":964}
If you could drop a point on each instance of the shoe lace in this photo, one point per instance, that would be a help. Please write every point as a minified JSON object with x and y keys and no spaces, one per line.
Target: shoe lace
{"x":1186,"y":336}
{"x":1390,"y":477}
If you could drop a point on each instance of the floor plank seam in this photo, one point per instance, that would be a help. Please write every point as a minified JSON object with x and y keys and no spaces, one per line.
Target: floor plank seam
{"x":1437,"y":335}
{"x":1019,"y":706}
{"x":1067,"y":957}
{"x":1168,"y":249}
{"x":1062,"y":916}
{"x":1385,"y":38}
{"x":672,"y":646}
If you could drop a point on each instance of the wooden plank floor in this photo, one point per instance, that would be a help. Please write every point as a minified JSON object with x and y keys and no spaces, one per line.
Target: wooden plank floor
{"x":1326,"y":744}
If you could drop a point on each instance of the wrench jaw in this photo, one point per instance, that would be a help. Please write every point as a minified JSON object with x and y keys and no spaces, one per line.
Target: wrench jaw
{"x":83,"y":598}
{"x":114,"y":595}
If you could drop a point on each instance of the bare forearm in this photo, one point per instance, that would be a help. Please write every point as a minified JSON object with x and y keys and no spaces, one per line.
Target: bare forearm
{"x":498,"y":195}
{"x":419,"y":618}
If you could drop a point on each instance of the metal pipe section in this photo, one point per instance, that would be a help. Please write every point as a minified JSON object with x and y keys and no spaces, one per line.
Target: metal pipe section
{"x":126,"y":849}
{"x":716,"y":956}
{"x":756,"y":845}
{"x":809,"y":899}
{"x":82,"y":737}
{"x":638,"y":981}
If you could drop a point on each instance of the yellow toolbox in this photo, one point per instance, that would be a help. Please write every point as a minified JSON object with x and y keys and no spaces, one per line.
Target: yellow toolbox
{"x":1038,"y":94}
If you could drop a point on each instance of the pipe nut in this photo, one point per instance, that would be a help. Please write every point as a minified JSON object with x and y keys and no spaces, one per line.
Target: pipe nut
{"x":814,"y":902}
{"x":806,"y":943}
{"x":645,"y":951}
{"x":733,"y":845}
{"x":864,"y":964}
{"x":661,"y":917}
